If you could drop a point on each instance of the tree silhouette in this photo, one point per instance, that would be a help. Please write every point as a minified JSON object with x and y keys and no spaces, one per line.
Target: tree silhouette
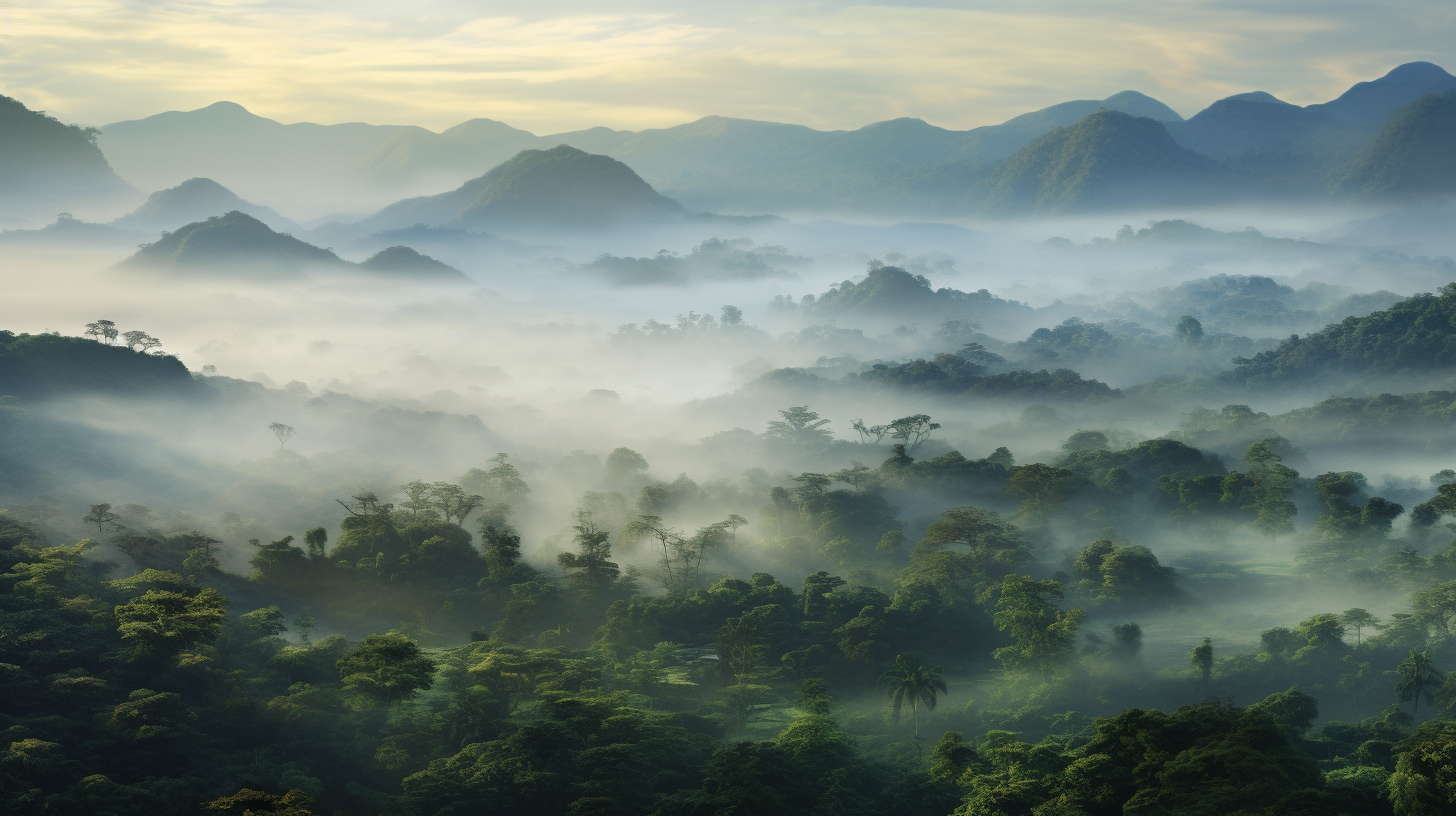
{"x":102,"y":517}
{"x":283,"y":432}
{"x":913,"y":682}
{"x":104,"y":331}
{"x":1202,"y":657}
{"x":1358,"y":619}
{"x":1418,"y":676}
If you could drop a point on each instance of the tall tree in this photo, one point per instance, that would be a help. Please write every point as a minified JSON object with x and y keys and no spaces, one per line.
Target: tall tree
{"x":1359,"y":620}
{"x":1043,"y":636}
{"x":911,"y":681}
{"x":283,"y":432}
{"x":800,"y":427}
{"x":592,"y":564}
{"x":101,"y":516}
{"x":1418,"y":677}
{"x":1202,"y":657}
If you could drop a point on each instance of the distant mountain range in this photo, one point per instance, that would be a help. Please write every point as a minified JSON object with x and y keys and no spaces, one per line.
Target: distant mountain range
{"x":717,"y":164}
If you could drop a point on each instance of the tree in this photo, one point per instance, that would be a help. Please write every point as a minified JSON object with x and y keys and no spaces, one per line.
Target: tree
{"x":869,"y":435}
{"x":1424,"y":782}
{"x":1418,"y":677}
{"x":625,"y":464}
{"x":592,"y":564}
{"x":1042,"y":488}
{"x":104,"y":331}
{"x":732,"y":316}
{"x":248,"y":802}
{"x":913,"y":430}
{"x":315,"y":540}
{"x":502,"y":550}
{"x":165,"y":622}
{"x":1189,"y":330}
{"x":1128,"y":639}
{"x":911,"y":681}
{"x":1359,"y":620}
{"x":500,"y":483}
{"x":283,"y":432}
{"x":140,"y":338}
{"x":800,"y":427}
{"x":1042,"y":635}
{"x":1086,"y":441}
{"x":995,"y":546}
{"x":101,"y":516}
{"x":452,"y":502}
{"x":1202,"y":657}
{"x":816,"y":587}
{"x":417,"y":498}
{"x":385,"y":670}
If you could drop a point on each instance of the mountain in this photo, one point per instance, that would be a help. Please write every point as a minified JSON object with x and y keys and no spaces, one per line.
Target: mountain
{"x":1107,"y":159}
{"x":540,"y":190}
{"x":41,"y":366}
{"x":45,"y":164}
{"x":234,"y":243}
{"x":995,"y":142}
{"x":1414,"y":156}
{"x":195,"y":200}
{"x":403,"y":262}
{"x":1413,"y":335}
{"x":312,"y":166}
{"x":1369,"y":104}
{"x":1258,"y":130}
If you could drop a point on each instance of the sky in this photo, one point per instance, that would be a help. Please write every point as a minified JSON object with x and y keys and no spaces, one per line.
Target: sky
{"x":556,"y":65}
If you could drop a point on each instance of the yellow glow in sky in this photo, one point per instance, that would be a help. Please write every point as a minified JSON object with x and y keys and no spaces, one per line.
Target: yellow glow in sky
{"x":556,"y":66}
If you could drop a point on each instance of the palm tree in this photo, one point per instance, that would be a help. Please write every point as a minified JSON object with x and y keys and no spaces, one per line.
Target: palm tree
{"x":1417,"y":677}
{"x":914,"y":682}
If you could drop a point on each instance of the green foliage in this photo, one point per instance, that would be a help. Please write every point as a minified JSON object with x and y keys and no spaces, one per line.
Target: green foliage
{"x":385,"y":670}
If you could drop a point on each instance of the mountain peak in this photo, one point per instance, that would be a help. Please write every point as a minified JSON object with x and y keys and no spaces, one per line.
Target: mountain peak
{"x":560,"y":188}
{"x":1109,"y":158}
{"x":1370,"y":104}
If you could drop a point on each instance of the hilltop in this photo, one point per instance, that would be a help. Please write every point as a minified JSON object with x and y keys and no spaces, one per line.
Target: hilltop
{"x":1107,"y":159}
{"x":237,"y":243}
{"x":194,"y":200}
{"x":40,"y":366}
{"x":403,"y":262}
{"x":540,"y":190}
{"x":234,"y":242}
{"x":1414,"y":156}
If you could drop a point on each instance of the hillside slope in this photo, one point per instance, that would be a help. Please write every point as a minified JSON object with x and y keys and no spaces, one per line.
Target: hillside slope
{"x":195,"y":200}
{"x":233,"y":242}
{"x":1109,"y":159}
{"x":1417,"y":334}
{"x":44,"y":163}
{"x":540,"y":190}
{"x":1414,"y":156}
{"x":41,"y":366}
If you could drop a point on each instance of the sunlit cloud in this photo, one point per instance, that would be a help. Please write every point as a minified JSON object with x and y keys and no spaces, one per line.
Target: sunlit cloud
{"x":566,"y":65}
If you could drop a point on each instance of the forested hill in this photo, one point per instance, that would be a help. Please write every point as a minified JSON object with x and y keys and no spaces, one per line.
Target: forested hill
{"x":561,"y":188}
{"x":234,"y":240}
{"x":42,"y":158}
{"x":1418,"y":333}
{"x":1107,"y":159}
{"x":40,"y":366}
{"x":1414,"y":155}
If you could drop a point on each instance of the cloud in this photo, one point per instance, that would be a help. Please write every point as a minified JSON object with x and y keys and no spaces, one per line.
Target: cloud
{"x":563,"y":64}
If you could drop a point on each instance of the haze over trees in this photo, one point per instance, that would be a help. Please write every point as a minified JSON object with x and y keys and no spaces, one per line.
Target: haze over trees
{"x":652,"y":511}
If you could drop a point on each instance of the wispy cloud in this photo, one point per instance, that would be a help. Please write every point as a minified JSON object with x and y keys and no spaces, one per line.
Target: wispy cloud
{"x":563,"y":64}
